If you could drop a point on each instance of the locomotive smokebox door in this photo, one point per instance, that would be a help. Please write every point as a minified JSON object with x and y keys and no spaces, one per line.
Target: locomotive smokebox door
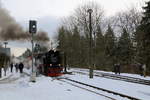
{"x":32,"y":26}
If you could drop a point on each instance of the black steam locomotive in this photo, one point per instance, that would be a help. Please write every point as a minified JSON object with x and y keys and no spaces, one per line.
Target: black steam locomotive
{"x":51,"y":65}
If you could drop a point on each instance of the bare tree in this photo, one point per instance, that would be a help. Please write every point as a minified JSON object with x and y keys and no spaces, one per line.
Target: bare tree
{"x":129,"y":20}
{"x":80,"y":18}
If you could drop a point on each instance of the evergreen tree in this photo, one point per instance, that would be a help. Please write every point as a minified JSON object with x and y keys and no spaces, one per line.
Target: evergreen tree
{"x":100,"y":51}
{"x":84,"y":51}
{"x":65,"y":44}
{"x":143,"y":37}
{"x":76,"y":47}
{"x":124,"y":49}
{"x":109,"y":47}
{"x":68,"y":46}
{"x":61,"y":38}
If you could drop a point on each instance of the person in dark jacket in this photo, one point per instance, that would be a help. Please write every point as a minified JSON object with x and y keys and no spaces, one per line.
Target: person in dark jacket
{"x":140,"y":69}
{"x":117,"y":68}
{"x":11,"y":67}
{"x":21,"y":66}
{"x":17,"y":67}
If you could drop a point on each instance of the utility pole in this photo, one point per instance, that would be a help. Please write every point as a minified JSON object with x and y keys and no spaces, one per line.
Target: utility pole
{"x":32,"y":30}
{"x":90,"y":49}
{"x":94,"y":51}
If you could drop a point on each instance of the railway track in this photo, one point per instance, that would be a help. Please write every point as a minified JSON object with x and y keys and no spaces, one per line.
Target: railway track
{"x":118,"y":77}
{"x":88,"y":90}
{"x":74,"y":82}
{"x":125,"y":78}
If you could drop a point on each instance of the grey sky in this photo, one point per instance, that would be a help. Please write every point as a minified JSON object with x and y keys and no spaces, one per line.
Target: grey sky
{"x":52,"y":10}
{"x":26,"y":9}
{"x":49,"y":12}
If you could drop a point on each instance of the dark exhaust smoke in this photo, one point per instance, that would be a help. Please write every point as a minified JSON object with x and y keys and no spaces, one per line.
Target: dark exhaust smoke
{"x":42,"y":36}
{"x":11,"y":30}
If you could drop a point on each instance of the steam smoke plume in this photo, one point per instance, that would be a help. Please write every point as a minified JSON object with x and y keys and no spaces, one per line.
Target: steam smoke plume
{"x":11,"y":30}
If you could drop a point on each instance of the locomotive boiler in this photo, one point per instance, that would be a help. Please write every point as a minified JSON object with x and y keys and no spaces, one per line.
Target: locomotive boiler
{"x":51,"y":64}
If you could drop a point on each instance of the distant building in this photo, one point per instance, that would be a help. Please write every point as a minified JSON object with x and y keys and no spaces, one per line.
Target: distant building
{"x":5,"y":51}
{"x":5,"y":55}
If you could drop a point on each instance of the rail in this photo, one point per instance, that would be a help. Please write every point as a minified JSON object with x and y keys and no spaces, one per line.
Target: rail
{"x":119,"y":77}
{"x":102,"y":89}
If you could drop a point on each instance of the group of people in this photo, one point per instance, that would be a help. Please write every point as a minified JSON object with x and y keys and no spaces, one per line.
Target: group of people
{"x":142,"y":69}
{"x":19,"y":67}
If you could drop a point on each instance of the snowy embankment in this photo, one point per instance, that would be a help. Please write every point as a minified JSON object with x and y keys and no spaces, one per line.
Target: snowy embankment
{"x":46,"y":88}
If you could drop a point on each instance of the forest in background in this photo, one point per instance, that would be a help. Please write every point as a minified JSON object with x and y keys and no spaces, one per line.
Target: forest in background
{"x":123,"y":38}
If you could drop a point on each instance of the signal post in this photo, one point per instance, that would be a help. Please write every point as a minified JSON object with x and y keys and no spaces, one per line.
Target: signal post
{"x":32,"y":30}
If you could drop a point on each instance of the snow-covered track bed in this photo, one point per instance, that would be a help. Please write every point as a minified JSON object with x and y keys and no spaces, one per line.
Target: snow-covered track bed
{"x":87,"y":89}
{"x":103,"y":92}
{"x":117,"y":77}
{"x":124,"y":78}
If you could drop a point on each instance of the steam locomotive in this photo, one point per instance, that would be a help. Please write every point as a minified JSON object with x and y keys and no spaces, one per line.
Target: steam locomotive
{"x":51,"y":65}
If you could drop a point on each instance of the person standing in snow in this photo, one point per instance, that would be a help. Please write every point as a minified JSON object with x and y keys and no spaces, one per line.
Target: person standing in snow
{"x":17,"y":67}
{"x":118,"y":68}
{"x":21,"y":66}
{"x":144,"y":70}
{"x":140,"y":69}
{"x":11,"y":67}
{"x":115,"y":68}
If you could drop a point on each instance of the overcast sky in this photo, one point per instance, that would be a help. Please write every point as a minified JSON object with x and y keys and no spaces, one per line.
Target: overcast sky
{"x":49,"y":12}
{"x":25,"y":9}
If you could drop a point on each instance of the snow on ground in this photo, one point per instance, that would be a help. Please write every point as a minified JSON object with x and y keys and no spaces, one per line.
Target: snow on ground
{"x":131,"y":89}
{"x":3,"y":74}
{"x":47,"y":88}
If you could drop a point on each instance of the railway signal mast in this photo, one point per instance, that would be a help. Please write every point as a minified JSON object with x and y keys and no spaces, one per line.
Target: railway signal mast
{"x":32,"y":30}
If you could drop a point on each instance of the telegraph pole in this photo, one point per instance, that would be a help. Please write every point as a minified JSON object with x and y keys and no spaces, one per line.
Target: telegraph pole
{"x":90,"y":49}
